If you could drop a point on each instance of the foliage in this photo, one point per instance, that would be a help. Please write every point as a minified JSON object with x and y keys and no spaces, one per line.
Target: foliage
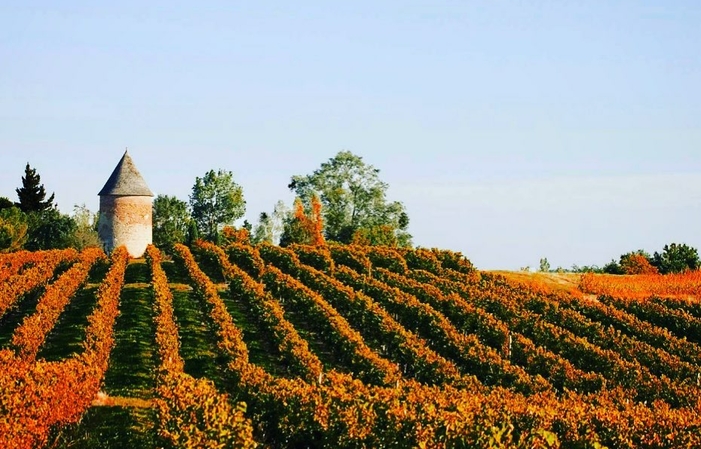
{"x":230,"y":234}
{"x":645,"y":286}
{"x":454,"y":260}
{"x":268,"y":311}
{"x":544,"y":265}
{"x":263,"y":231}
{"x":302,"y":228}
{"x":429,"y":353}
{"x":586,"y":269}
{"x":193,"y":233}
{"x":295,"y":231}
{"x":382,"y":235}
{"x":46,"y":227}
{"x":5,"y":203}
{"x":315,"y":222}
{"x":191,"y":413}
{"x":384,"y":257}
{"x":270,"y":226}
{"x":32,"y":193}
{"x":18,"y":282}
{"x":13,"y":229}
{"x":171,"y":220}
{"x":612,"y":268}
{"x":318,"y":257}
{"x":49,"y":229}
{"x":30,"y":335}
{"x":637,"y":263}
{"x":353,"y":198}
{"x":676,"y":258}
{"x":85,"y":234}
{"x":36,"y":395}
{"x":216,"y":200}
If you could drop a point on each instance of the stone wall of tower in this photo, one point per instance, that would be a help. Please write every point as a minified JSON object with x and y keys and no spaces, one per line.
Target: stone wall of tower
{"x":126,"y":220}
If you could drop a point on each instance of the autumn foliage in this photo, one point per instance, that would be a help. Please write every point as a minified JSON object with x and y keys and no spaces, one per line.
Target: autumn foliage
{"x":303,"y":228}
{"x":36,"y":395}
{"x":375,"y":347}
{"x":636,"y":263}
{"x":30,"y":335}
{"x":27,"y":271}
{"x":230,"y":234}
{"x":677,"y":285}
{"x":191,"y":412}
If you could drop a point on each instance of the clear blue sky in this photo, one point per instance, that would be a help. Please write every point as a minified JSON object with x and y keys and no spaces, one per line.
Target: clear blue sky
{"x":510,"y":130}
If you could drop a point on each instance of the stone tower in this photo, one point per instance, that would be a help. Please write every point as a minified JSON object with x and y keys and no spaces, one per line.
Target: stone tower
{"x":125,"y":209}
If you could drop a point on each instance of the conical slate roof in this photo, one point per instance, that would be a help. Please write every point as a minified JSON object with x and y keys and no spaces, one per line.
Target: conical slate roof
{"x":125,"y":180}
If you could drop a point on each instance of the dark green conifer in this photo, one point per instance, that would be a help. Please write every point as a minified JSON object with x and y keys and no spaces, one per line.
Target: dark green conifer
{"x":31,"y":194}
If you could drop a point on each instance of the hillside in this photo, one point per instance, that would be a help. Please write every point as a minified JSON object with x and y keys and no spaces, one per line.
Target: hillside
{"x":547,"y":282}
{"x":345,"y":346}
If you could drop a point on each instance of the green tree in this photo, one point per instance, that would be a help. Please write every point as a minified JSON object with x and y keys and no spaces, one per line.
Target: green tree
{"x":377,"y":235}
{"x":271,"y":226}
{"x":263,"y":231}
{"x":353,"y":197}
{"x":296,"y":227}
{"x":85,"y":234}
{"x":171,"y":220}
{"x":586,"y":269}
{"x":216,"y":200}
{"x":676,"y":258}
{"x":32,"y":193}
{"x":544,"y":265}
{"x":193,"y":234}
{"x":49,"y":229}
{"x":13,"y":229}
{"x":612,"y":268}
{"x":5,"y":203}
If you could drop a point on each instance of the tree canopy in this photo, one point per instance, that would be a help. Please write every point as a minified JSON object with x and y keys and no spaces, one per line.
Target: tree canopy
{"x":13,"y":229}
{"x":171,"y":220}
{"x":6,"y":203}
{"x":303,"y":228}
{"x":85,"y":234}
{"x":637,"y":262}
{"x":676,"y":258}
{"x":271,"y":226}
{"x":32,"y":193}
{"x":354,"y":199}
{"x":49,"y":229}
{"x":216,"y":200}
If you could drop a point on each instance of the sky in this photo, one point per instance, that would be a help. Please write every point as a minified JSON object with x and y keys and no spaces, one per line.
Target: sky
{"x":511,"y":131}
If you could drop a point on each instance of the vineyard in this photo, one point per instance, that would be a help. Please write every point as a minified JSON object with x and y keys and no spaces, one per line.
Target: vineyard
{"x":339,"y":346}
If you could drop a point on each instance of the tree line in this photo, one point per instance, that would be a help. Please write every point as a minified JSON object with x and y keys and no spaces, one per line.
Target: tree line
{"x":674,"y":258}
{"x":34,"y":222}
{"x":343,"y":201}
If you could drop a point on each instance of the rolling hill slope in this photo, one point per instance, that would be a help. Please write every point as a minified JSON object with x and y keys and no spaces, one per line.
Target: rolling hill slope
{"x":338,"y":346}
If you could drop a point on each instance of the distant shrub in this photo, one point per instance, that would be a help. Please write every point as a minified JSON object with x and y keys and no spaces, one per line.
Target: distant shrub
{"x":636,"y":263}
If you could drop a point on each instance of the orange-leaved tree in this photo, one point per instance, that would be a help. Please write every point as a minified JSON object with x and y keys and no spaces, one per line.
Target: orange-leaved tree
{"x":637,"y":263}
{"x":316,"y":223}
{"x":304,"y":229}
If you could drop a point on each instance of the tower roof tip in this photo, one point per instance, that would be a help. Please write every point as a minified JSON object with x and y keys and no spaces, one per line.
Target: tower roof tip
{"x":126,"y":180}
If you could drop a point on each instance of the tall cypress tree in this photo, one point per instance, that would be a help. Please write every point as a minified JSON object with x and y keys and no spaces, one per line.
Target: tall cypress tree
{"x":31,"y":194}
